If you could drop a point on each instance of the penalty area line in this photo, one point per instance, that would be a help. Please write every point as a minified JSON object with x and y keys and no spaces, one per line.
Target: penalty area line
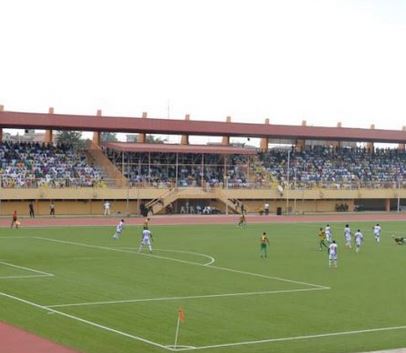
{"x":125,"y":301}
{"x":91,"y":323}
{"x":39,"y":273}
{"x":106,"y":248}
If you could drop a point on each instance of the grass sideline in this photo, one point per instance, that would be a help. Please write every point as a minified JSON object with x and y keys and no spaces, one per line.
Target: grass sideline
{"x":126,"y":302}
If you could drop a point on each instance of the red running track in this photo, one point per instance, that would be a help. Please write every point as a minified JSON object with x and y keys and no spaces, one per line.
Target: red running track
{"x":204,"y":219}
{"x":15,"y":340}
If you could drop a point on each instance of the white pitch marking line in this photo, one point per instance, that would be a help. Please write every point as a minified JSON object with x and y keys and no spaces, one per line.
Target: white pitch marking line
{"x":185,"y":297}
{"x":23,"y":276}
{"x":14,"y":237}
{"x":119,"y":250}
{"x":295,"y":338}
{"x":42,"y":273}
{"x":91,"y":323}
{"x":182,"y":261}
{"x":211,"y":258}
{"x":180,"y":348}
{"x":269,"y":277}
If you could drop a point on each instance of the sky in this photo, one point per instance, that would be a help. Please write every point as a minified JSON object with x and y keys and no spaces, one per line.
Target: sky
{"x":288,"y":60}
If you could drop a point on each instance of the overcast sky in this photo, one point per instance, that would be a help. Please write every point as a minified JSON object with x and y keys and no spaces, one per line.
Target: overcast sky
{"x":320,"y":61}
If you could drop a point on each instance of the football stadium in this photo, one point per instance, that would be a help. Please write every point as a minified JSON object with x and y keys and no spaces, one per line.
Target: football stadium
{"x":214,"y":176}
{"x":147,"y":246}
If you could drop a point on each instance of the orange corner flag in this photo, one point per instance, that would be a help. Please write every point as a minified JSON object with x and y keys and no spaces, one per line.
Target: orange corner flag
{"x":181,"y":315}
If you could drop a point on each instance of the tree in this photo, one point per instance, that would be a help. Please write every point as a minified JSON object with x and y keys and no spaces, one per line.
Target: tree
{"x":155,"y":139}
{"x":108,"y":137}
{"x":73,"y":138}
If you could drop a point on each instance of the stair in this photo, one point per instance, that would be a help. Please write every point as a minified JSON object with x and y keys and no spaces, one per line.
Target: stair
{"x":169,"y":196}
{"x":166,"y":198}
{"x":232,"y":204}
{"x":258,"y":168}
{"x":95,"y":153}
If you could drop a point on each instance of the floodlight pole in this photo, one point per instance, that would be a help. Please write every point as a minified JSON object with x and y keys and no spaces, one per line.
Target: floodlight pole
{"x":138,"y":201}
{"x":176,"y":170}
{"x":287,"y":187}
{"x":398,"y":195}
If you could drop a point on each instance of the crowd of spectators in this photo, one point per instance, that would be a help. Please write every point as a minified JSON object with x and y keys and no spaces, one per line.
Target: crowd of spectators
{"x":338,"y":167}
{"x":35,"y":165}
{"x":159,"y":169}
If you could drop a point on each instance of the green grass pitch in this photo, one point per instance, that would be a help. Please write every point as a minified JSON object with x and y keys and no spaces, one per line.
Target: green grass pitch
{"x":80,"y":288}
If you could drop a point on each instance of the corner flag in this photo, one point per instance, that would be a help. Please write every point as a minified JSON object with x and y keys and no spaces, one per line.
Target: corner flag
{"x":181,"y":317}
{"x":181,"y":314}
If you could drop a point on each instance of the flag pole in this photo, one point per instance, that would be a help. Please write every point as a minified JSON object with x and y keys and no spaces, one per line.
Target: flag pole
{"x":177,"y":332}
{"x":181,"y":317}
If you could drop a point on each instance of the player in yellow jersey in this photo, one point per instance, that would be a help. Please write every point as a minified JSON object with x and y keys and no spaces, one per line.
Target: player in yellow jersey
{"x":322,"y":237}
{"x":146,"y":223}
{"x":242,"y":222}
{"x":264,"y":243}
{"x":399,"y":240}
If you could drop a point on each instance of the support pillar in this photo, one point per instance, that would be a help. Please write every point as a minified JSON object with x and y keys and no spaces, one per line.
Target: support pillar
{"x":185,"y":138}
{"x":370,"y":145}
{"x":97,"y":134}
{"x":142,"y":136}
{"x":300,"y":144}
{"x":263,"y":145}
{"x":401,"y":146}
{"x":387,"y":205}
{"x":339,"y":144}
{"x":1,"y":129}
{"x":48,"y":137}
{"x":226,"y":139}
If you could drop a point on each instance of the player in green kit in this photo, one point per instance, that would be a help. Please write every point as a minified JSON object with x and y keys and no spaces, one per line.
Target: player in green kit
{"x":242,"y":222}
{"x":264,"y":243}
{"x":322,"y":237}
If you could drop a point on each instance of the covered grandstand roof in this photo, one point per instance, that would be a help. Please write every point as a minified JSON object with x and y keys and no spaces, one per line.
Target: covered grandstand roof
{"x":19,"y":120}
{"x":172,"y":148}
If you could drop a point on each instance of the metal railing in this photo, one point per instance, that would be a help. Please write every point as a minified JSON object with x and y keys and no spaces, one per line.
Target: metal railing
{"x":8,"y":182}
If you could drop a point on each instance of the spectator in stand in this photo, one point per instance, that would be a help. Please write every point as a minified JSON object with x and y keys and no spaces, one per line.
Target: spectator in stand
{"x":52,"y":209}
{"x":34,"y":165}
{"x":159,"y":169}
{"x":169,"y":209}
{"x":266,"y":208}
{"x":243,"y":210}
{"x":14,"y":220}
{"x":31,"y":209}
{"x":340,"y":167}
{"x":107,"y":206}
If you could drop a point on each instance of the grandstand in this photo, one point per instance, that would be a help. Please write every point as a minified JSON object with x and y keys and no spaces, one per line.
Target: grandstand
{"x":318,"y":169}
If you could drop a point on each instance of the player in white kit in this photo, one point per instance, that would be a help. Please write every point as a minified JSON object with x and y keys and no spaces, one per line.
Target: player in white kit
{"x":377,"y":232}
{"x":347,"y":236}
{"x":146,"y":240}
{"x":119,"y":230}
{"x":332,"y":254}
{"x":329,"y":233}
{"x":358,"y":240}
